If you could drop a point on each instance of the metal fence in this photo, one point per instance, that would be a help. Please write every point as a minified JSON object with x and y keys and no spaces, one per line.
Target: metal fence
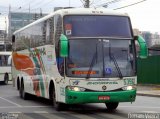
{"x":148,"y":70}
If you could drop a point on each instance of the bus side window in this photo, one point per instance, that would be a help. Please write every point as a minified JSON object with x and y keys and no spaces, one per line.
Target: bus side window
{"x":3,"y":60}
{"x":58,"y":31}
{"x":51,"y":26}
{"x":0,"y":61}
{"x":9,"y":60}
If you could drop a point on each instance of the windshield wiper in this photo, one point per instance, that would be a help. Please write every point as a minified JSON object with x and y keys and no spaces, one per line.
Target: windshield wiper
{"x":116,"y":64}
{"x":91,"y":65}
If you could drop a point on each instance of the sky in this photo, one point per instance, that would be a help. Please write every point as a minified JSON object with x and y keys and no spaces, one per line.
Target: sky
{"x":145,"y":16}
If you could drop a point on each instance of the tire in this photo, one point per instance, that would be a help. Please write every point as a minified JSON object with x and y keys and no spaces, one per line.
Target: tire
{"x":111,"y":106}
{"x":6,"y":79}
{"x":22,"y":92}
{"x":18,"y":84}
{"x":57,"y":105}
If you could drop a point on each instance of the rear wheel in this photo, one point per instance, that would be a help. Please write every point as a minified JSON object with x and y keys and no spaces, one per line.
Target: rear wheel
{"x":22,"y":92}
{"x":18,"y":84}
{"x":6,"y":78}
{"x":111,"y":106}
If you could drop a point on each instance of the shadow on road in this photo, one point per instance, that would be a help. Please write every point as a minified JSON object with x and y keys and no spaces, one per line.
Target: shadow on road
{"x":2,"y":83}
{"x":87,"y":109}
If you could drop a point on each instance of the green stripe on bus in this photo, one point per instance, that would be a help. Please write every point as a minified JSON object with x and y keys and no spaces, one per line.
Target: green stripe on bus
{"x":73,"y":97}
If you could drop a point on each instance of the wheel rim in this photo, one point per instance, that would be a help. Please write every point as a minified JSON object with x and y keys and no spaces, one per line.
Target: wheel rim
{"x":6,"y":79}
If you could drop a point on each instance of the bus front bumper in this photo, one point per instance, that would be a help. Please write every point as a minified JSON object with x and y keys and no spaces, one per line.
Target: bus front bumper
{"x":76,"y":97}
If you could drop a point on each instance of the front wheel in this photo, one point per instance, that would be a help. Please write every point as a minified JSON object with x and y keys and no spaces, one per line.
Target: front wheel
{"x":57,"y":105}
{"x":111,"y":106}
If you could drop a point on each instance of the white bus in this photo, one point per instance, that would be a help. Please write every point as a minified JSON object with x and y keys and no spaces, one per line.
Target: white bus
{"x":5,"y":62}
{"x":76,"y":56}
{"x":5,"y":67}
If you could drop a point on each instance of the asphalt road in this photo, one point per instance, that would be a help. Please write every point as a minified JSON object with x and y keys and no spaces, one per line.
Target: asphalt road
{"x":12,"y":105}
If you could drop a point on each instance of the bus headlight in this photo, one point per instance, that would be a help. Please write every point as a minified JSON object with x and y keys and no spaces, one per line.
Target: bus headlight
{"x":75,"y":88}
{"x":129,"y":87}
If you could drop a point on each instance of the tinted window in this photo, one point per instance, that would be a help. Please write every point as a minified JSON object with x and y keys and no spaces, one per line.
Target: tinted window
{"x":95,"y":26}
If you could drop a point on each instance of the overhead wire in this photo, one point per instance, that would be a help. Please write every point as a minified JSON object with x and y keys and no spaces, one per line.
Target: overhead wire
{"x":29,"y":5}
{"x":82,"y":2}
{"x":101,"y":1}
{"x":130,"y":5}
{"x":38,"y":3}
{"x":42,"y":5}
{"x":24,"y":5}
{"x":92,"y":2}
{"x":107,"y":3}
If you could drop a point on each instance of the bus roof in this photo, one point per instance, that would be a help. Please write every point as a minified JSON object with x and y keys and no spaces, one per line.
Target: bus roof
{"x":5,"y":53}
{"x":75,"y":11}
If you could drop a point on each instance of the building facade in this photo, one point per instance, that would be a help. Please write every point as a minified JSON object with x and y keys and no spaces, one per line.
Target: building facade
{"x":20,"y":19}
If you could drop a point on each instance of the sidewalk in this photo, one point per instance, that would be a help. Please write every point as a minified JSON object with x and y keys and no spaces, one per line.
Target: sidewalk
{"x":148,"y":90}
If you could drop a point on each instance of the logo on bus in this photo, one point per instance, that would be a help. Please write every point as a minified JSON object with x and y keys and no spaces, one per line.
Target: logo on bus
{"x":104,"y":87}
{"x":100,"y":83}
{"x":35,"y":52}
{"x":76,"y":82}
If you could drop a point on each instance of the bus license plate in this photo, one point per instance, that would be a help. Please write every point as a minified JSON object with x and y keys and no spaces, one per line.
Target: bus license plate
{"x":103,"y":97}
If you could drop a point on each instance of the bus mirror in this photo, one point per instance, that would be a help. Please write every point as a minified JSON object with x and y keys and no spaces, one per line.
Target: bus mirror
{"x":63,"y":46}
{"x":13,"y":38}
{"x":143,"y":47}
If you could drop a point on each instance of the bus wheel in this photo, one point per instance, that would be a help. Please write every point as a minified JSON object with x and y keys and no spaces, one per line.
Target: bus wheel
{"x":6,"y":78}
{"x":18,"y":84}
{"x":111,"y":106}
{"x":57,"y":105}
{"x":22,"y":92}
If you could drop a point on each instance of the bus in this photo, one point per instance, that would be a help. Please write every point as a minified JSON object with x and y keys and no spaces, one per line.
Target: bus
{"x":5,"y":62}
{"x":77,"y":56}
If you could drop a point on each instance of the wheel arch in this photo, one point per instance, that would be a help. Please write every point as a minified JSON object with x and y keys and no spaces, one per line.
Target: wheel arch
{"x":51,"y":86}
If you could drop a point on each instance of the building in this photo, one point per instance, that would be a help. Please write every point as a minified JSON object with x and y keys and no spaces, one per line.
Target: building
{"x":2,"y":35}
{"x":18,"y":20}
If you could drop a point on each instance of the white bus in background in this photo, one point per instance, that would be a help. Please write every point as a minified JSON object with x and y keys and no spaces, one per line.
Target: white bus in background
{"x":5,"y":62}
{"x":5,"y":67}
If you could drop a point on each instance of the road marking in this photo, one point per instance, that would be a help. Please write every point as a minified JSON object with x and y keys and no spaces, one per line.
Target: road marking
{"x":112,"y":116}
{"x":23,"y":107}
{"x":137,"y":107}
{"x":148,"y":112}
{"x":40,"y":112}
{"x":34,"y":106}
{"x":51,"y":116}
{"x":25,"y":116}
{"x":15,"y":112}
{"x":84,"y":116}
{"x":11,"y":102}
{"x":20,"y":106}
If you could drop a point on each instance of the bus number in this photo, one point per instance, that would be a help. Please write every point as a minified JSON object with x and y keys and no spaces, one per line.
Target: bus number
{"x":129,"y":81}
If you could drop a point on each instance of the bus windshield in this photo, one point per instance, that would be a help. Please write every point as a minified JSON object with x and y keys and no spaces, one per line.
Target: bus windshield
{"x":103,"y":58}
{"x":97,"y":26}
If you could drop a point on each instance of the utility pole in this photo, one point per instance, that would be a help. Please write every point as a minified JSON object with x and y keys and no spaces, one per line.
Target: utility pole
{"x":69,"y":3}
{"x":40,"y":13}
{"x":86,"y":4}
{"x":6,"y":29}
{"x":9,"y":24}
{"x":29,"y":15}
